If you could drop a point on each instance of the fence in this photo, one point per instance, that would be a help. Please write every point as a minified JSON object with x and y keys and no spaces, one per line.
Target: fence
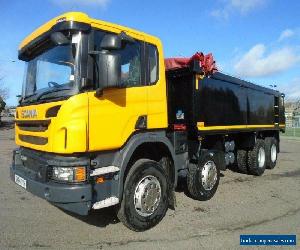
{"x":292,"y":131}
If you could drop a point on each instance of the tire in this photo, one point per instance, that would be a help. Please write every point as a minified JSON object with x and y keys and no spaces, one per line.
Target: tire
{"x":271,"y":152}
{"x":167,"y":165}
{"x":256,"y":163}
{"x":129,"y":213}
{"x":196,"y":188}
{"x":241,"y":161}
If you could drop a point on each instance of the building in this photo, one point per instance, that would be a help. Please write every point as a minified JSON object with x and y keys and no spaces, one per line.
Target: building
{"x":292,"y":114}
{"x":289,"y":113}
{"x":9,"y":112}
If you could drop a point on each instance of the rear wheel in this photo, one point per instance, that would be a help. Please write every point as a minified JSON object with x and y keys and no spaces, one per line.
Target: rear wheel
{"x":257,"y":158}
{"x":271,"y":152}
{"x":145,"y":196}
{"x":241,"y":161}
{"x":203,"y":179}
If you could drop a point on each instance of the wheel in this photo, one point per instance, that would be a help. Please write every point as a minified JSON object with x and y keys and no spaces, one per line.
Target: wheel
{"x":271,"y":152}
{"x":241,"y":161}
{"x":257,"y":158}
{"x":167,"y":165}
{"x":203,"y":179}
{"x":145,"y":196}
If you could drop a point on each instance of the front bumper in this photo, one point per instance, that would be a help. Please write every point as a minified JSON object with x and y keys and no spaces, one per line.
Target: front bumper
{"x":76,"y":198}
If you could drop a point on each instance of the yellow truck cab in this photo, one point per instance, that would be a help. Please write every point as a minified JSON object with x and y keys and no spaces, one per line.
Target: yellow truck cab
{"x":97,"y":125}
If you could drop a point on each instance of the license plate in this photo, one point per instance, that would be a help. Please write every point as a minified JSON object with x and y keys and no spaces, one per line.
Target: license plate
{"x":20,"y":181}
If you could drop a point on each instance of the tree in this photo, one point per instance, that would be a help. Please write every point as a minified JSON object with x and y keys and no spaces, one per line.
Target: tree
{"x":4,"y":91}
{"x":3,"y":94}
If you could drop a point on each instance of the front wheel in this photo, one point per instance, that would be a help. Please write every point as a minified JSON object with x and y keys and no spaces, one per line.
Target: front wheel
{"x":203,"y":179}
{"x":145,"y":196}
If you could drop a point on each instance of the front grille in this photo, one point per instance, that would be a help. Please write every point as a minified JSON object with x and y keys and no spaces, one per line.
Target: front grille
{"x":31,"y":165}
{"x":38,"y":170}
{"x":37,"y":165}
{"x":33,"y":126}
{"x":34,"y":139}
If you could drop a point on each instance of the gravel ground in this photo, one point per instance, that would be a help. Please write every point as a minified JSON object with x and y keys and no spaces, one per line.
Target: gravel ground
{"x":244,"y":204}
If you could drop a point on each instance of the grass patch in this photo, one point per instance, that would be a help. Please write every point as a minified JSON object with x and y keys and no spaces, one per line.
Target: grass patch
{"x":292,"y":132}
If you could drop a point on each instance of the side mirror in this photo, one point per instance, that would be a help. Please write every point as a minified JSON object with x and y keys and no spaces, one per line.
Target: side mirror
{"x":111,"y":42}
{"x":58,"y":38}
{"x":109,"y":60}
{"x":19,"y":98}
{"x":109,"y":70}
{"x":115,"y":42}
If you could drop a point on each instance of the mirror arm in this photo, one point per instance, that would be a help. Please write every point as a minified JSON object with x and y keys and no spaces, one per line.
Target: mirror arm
{"x":93,"y":53}
{"x":126,"y":38}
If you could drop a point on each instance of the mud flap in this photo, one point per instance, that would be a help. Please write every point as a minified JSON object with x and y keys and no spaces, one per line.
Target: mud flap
{"x":172,"y":200}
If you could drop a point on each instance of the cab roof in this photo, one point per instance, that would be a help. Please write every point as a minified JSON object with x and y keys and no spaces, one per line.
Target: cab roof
{"x":84,"y":18}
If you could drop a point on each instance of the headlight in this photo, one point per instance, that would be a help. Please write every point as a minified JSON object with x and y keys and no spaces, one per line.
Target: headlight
{"x":69,"y":174}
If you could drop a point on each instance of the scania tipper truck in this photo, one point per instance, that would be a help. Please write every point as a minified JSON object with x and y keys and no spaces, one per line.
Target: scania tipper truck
{"x":104,"y":120}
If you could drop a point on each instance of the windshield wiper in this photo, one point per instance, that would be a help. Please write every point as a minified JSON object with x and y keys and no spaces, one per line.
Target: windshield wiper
{"x":49,"y":92}
{"x":26,"y":97}
{"x":39,"y":96}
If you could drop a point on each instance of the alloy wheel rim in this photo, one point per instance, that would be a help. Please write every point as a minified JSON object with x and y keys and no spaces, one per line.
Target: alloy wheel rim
{"x":147,"y":195}
{"x":273,"y":153}
{"x":209,"y":175}
{"x":261,"y":157}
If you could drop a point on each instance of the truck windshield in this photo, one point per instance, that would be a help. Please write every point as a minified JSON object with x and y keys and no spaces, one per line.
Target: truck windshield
{"x":52,"y":74}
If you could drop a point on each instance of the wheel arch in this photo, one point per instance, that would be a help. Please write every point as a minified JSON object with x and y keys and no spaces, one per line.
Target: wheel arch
{"x":143,"y":145}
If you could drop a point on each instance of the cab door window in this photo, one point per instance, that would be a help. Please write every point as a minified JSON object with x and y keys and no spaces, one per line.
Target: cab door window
{"x":152,"y":64}
{"x":131,"y":61}
{"x":131,"y":65}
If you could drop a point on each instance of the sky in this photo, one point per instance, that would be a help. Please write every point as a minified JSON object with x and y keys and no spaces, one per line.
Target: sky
{"x":256,"y":40}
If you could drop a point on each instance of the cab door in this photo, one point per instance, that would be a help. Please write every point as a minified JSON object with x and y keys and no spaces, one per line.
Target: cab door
{"x":156,"y":89}
{"x":114,"y":115}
